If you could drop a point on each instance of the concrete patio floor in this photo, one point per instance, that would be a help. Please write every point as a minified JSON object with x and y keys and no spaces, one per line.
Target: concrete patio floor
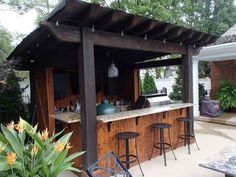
{"x":224,"y":118}
{"x":210,"y":137}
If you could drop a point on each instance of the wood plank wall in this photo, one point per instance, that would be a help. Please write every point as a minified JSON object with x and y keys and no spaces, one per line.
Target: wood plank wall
{"x":44,"y":98}
{"x":107,"y":141}
{"x":129,"y":92}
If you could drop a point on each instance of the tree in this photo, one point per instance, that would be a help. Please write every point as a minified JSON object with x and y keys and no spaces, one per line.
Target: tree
{"x":5,"y":43}
{"x":148,"y":86}
{"x":177,"y":92}
{"x":11,"y":103}
{"x":19,"y":6}
{"x":212,"y":16}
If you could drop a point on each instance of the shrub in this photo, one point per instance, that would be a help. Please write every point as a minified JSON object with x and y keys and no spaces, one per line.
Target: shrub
{"x":148,"y":86}
{"x":43,"y":157}
{"x":227,"y":95}
{"x":11,"y":103}
{"x":177,"y":92}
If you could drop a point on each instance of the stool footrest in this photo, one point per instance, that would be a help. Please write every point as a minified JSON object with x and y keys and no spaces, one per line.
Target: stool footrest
{"x":185,"y":136}
{"x":135,"y":158}
{"x":158,"y":145}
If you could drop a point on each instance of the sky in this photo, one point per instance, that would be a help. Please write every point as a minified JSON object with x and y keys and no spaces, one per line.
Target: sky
{"x":17,"y":23}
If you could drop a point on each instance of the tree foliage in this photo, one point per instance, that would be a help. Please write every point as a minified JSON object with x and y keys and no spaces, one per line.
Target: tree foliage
{"x":177,"y":92}
{"x":212,"y":16}
{"x":148,"y":86}
{"x":11,"y":103}
{"x":5,"y":43}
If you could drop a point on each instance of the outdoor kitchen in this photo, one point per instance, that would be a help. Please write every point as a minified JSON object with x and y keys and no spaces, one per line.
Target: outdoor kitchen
{"x":86,"y":79}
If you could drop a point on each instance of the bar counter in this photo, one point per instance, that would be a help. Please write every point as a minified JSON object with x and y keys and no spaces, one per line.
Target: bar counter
{"x":72,"y":117}
{"x":135,"y":120}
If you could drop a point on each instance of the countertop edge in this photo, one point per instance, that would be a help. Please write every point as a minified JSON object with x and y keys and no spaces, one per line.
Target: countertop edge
{"x":141,"y":112}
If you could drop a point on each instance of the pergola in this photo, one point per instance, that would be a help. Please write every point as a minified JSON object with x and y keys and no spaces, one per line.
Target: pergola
{"x":78,"y":35}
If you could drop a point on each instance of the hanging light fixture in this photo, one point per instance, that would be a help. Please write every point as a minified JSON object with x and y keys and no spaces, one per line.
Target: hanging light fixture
{"x":112,"y":70}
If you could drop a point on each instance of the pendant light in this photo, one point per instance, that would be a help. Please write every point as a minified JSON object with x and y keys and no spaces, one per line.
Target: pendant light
{"x":112,"y":70}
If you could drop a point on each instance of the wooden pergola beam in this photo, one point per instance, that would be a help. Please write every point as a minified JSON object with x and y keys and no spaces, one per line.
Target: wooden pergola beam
{"x":158,"y":63}
{"x":71,"y":34}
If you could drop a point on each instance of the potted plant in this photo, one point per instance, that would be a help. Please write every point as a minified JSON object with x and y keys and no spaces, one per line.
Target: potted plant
{"x":227,"y":95}
{"x":43,"y":156}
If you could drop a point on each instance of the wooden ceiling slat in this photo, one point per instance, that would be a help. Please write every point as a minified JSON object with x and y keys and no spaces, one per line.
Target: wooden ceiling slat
{"x":143,"y":28}
{"x":109,"y":22}
{"x":205,"y":40}
{"x":160,"y":31}
{"x":173,"y":33}
{"x":184,"y":36}
{"x":196,"y":37}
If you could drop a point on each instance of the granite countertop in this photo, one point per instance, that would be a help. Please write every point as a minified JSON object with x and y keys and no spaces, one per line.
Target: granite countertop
{"x":72,"y":117}
{"x":67,"y":117}
{"x":224,"y":161}
{"x":141,"y":112}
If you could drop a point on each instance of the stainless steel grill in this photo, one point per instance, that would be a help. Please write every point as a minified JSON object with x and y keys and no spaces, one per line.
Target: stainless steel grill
{"x":146,"y":101}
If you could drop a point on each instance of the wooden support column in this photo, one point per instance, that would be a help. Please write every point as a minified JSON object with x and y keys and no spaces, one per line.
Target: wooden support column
{"x":44,"y":98}
{"x":32,"y":97}
{"x":87,"y":97}
{"x":187,"y":73}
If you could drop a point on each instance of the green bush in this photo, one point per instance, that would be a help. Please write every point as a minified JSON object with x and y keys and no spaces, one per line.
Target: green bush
{"x":11,"y":103}
{"x":227,"y":95}
{"x":177,"y":92}
{"x":148,"y":86}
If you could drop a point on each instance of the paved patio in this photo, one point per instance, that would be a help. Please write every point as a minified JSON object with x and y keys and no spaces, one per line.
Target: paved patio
{"x":224,"y":118}
{"x":211,"y":139}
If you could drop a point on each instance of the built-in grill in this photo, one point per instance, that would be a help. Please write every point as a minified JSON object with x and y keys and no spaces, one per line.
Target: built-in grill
{"x":146,"y":101}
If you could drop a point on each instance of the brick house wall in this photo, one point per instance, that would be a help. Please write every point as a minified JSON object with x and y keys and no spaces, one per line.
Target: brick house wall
{"x":222,"y":70}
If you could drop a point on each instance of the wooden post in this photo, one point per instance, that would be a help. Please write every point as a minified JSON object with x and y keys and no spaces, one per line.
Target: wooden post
{"x":87,"y":97}
{"x":32,"y":97}
{"x":44,"y":98}
{"x":187,"y":73}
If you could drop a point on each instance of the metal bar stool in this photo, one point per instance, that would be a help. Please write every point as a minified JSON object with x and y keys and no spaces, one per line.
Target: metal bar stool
{"x":162,"y":145}
{"x":188,"y":132}
{"x":129,"y":158}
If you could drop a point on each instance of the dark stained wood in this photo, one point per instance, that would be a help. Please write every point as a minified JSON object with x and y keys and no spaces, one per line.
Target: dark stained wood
{"x":173,"y":33}
{"x":159,"y":63}
{"x":65,"y":33}
{"x":144,"y":28}
{"x":87,"y":97}
{"x":32,"y":95}
{"x":196,"y":37}
{"x":184,"y":36}
{"x":187,"y":73}
{"x":161,"y":30}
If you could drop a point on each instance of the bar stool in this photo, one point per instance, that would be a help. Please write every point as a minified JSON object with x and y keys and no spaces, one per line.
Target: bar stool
{"x":188,"y":132}
{"x":162,"y":145}
{"x":129,"y":158}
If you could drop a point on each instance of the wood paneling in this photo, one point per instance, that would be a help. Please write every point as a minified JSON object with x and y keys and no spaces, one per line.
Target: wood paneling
{"x":107,"y":142}
{"x":44,"y":98}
